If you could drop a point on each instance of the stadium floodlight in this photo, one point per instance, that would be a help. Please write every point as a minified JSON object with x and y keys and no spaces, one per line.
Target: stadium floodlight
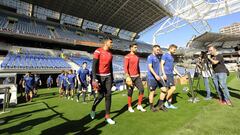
{"x":194,"y":13}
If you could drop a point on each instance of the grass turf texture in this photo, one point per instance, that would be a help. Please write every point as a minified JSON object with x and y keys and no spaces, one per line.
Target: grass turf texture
{"x":48,"y":114}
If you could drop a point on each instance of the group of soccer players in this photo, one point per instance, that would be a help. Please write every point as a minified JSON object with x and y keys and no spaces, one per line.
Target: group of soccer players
{"x":160,"y":74}
{"x":69,"y":81}
{"x":30,"y":83}
{"x":161,"y":71}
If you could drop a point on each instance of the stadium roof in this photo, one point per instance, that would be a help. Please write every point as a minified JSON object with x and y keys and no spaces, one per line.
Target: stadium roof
{"x":219,"y":40}
{"x":216,"y":37}
{"x":131,"y":15}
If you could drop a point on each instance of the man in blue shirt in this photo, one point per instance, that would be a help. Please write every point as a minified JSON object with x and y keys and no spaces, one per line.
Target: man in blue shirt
{"x":28,"y":83}
{"x":83,"y":81}
{"x":168,"y":68}
{"x":65,"y":83}
{"x":49,"y":82}
{"x":72,"y":81}
{"x":59,"y":83}
{"x":154,"y":78}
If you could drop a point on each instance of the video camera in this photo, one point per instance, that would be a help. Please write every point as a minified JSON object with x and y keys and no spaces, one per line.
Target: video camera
{"x":237,"y":48}
{"x":204,"y":55}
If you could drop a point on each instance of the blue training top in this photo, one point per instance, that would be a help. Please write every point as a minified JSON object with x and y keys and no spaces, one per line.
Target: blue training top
{"x":59,"y":78}
{"x":71,"y":78}
{"x":29,"y":82}
{"x":64,"y":80}
{"x":49,"y":80}
{"x":155,"y":61}
{"x":169,"y":63}
{"x":83,"y":74}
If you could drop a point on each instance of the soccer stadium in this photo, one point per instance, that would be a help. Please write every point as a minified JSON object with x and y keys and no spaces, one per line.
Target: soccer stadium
{"x":90,"y":67}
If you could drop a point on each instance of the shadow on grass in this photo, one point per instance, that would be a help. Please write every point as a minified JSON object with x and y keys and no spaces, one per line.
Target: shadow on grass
{"x":69,"y":126}
{"x":174,"y":97}
{"x":214,"y":95}
{"x":233,"y":94}
{"x":26,"y":125}
{"x":43,"y":98}
{"x":233,"y":89}
{"x":203,"y":93}
{"x":124,"y":109}
{"x":78,"y":127}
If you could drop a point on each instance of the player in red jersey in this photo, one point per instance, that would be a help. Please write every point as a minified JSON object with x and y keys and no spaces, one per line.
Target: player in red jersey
{"x":102,"y":73}
{"x":132,"y":71}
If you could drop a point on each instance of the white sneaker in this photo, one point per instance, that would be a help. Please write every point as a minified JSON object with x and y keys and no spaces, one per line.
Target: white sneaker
{"x":140,"y":108}
{"x":130,"y":109}
{"x":110,"y":121}
{"x":92,"y":114}
{"x":71,"y":98}
{"x":68,"y":98}
{"x":77,"y":100}
{"x":166,"y":105}
{"x":172,"y":107}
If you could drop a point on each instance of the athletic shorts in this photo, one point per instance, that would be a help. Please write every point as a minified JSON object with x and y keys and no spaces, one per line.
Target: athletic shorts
{"x":82,"y":86}
{"x":49,"y":85}
{"x":71,"y":87}
{"x":65,"y":87}
{"x":137,"y":82}
{"x":170,"y":80}
{"x":27,"y":90}
{"x":153,"y":84}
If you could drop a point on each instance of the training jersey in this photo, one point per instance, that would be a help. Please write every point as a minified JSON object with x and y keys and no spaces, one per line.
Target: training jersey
{"x":155,"y":61}
{"x":131,"y":65}
{"x":59,"y":78}
{"x":29,"y":82}
{"x":71,"y":78}
{"x":82,"y":73}
{"x":49,"y":80}
{"x":169,"y":63}
{"x":65,"y":80}
{"x":104,"y":61}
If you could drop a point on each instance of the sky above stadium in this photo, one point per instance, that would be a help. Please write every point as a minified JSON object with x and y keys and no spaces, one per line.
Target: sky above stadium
{"x":182,"y":35}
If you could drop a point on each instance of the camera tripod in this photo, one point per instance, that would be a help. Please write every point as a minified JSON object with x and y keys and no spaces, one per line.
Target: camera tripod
{"x":194,"y":83}
{"x":196,"y":78}
{"x":192,"y":93}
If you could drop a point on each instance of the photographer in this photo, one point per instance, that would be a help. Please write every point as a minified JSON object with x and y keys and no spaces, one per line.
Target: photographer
{"x":220,"y":75}
{"x":203,"y":66}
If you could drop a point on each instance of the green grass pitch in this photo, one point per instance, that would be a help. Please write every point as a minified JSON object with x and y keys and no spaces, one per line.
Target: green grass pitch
{"x":49,"y":114}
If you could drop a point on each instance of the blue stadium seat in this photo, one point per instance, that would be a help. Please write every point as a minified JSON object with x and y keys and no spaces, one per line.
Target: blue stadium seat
{"x":33,"y":61}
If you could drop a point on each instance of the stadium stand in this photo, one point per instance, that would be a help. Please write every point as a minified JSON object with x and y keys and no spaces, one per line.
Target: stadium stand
{"x":36,"y":28}
{"x":33,"y":61}
{"x":3,"y":22}
{"x":80,"y":60}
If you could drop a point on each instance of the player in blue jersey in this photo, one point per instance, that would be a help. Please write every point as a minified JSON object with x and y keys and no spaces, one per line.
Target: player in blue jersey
{"x":49,"y":82}
{"x":83,"y":81}
{"x":168,"y":69}
{"x":72,"y":81}
{"x":28,"y":83}
{"x":59,"y":83}
{"x":65,"y":83}
{"x":154,"y":79}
